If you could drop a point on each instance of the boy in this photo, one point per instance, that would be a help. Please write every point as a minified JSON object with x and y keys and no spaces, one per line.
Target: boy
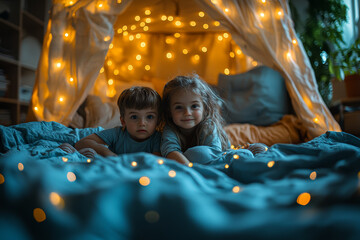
{"x":139,"y":115}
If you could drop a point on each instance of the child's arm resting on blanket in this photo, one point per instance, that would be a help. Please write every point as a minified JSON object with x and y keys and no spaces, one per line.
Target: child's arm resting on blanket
{"x":95,"y":142}
{"x":179,"y":157}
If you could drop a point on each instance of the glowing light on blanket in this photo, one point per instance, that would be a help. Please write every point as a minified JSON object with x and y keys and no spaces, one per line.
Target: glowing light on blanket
{"x":64,"y":159}
{"x":39,"y":215}
{"x":172,"y":173}
{"x":226,"y":165}
{"x":313,"y":175}
{"x":71,"y":176}
{"x":144,"y":181}
{"x":2,"y":179}
{"x":236,"y":189}
{"x":20,"y":166}
{"x":160,"y":161}
{"x":133,"y":163}
{"x":57,"y":200}
{"x":236,"y":156}
{"x":271,"y":164}
{"x":191,"y":164}
{"x":303,"y":199}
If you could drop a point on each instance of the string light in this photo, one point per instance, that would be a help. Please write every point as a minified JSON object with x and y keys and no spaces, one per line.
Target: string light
{"x":226,"y":35}
{"x":163,"y":18}
{"x":39,"y":215}
{"x":137,"y":18}
{"x":133,"y":163}
{"x":111,"y":46}
{"x":148,"y":20}
{"x":216,"y":23}
{"x":71,"y":176}
{"x":116,"y":72}
{"x":61,"y":99}
{"x":303,"y":199}
{"x":270,"y":164}
{"x":20,"y":167}
{"x":142,"y":44}
{"x":226,"y":71}
{"x":111,"y":81}
{"x":172,"y":173}
{"x":185,"y":51}
{"x":169,"y":55}
{"x":177,"y":35}
{"x":130,"y":67}
{"x":147,"y":12}
{"x":144,"y":181}
{"x":204,"y":49}
{"x":236,"y":189}
{"x":142,"y":24}
{"x":316,"y":120}
{"x":192,"y":23}
{"x":232,"y":54}
{"x":36,"y":108}
{"x":102,"y":70}
{"x":294,"y":41}
{"x":64,"y":159}
{"x":138,"y":57}
{"x":226,"y":10}
{"x":313,"y":175}
{"x":170,"y":18}
{"x":178,"y":23}
{"x":133,"y":27}
{"x":190,"y":164}
{"x":146,"y":28}
{"x":201,"y":14}
{"x":205,"y":26}
{"x":226,"y":166}
{"x":147,"y":67}
{"x":160,"y":161}
{"x":220,"y":38}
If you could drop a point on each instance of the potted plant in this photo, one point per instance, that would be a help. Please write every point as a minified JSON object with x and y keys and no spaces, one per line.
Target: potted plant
{"x":345,"y":65}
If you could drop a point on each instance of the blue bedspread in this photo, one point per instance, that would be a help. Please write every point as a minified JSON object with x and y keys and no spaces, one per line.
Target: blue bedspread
{"x":46,"y":193}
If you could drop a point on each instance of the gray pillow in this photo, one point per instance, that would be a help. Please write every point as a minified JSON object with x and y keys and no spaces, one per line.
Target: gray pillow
{"x":258,"y":97}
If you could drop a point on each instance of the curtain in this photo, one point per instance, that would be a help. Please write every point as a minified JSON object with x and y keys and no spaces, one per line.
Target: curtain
{"x":264,"y":30}
{"x":74,"y":49}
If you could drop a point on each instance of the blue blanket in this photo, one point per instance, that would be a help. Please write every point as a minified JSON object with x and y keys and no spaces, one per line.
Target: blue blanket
{"x":309,"y":190}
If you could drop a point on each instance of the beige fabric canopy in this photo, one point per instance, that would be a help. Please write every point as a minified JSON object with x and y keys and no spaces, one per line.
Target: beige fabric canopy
{"x":80,"y":33}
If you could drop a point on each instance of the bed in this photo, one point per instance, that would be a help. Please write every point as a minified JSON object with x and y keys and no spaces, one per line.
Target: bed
{"x":293,"y":191}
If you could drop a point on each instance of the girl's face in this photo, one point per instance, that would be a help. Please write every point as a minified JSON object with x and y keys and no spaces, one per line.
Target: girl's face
{"x":187,"y":109}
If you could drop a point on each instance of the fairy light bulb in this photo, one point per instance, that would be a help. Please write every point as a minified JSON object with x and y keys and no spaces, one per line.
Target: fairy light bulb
{"x":294,"y":41}
{"x":138,"y":57}
{"x":102,"y":70}
{"x":61,"y":99}
{"x":226,"y":10}
{"x":133,"y":163}
{"x":201,"y":14}
{"x":316,"y":120}
{"x":148,"y":20}
{"x":119,"y":30}
{"x":169,"y":55}
{"x":131,"y":37}
{"x":170,"y":18}
{"x":71,"y":79}
{"x":147,"y":67}
{"x":226,"y":35}
{"x":116,"y":72}
{"x":216,"y":23}
{"x":177,"y":35}
{"x":142,"y":44}
{"x":163,"y":18}
{"x":111,"y":46}
{"x":36,"y":108}
{"x":185,"y":51}
{"x":146,"y":28}
{"x":111,"y":81}
{"x":262,"y":15}
{"x":107,"y":38}
{"x":130,"y":67}
{"x":192,"y":23}
{"x":220,"y":38}
{"x":178,"y":23}
{"x":226,"y":71}
{"x":205,"y":26}
{"x":232,"y":54}
{"x":138,"y":36}
{"x":133,"y":27}
{"x":147,"y":12}
{"x":58,"y":64}
{"x":137,"y":18}
{"x":204,"y":49}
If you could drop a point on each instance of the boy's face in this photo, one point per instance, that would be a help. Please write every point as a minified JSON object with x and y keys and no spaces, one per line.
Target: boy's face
{"x":140,"y":124}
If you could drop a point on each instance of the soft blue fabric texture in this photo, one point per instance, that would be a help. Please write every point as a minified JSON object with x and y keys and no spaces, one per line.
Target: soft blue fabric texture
{"x":258,"y":96}
{"x":120,"y":141}
{"x":237,"y":196}
{"x":211,"y":146}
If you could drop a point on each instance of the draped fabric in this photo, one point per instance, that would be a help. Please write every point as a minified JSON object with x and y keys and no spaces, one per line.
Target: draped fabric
{"x":269,"y":37}
{"x":69,"y":65}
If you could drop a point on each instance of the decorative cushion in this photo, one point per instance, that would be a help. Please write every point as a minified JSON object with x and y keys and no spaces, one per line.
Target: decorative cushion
{"x":258,"y":97}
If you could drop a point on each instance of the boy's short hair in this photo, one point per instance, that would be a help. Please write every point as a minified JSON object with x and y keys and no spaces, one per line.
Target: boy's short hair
{"x":139,"y":98}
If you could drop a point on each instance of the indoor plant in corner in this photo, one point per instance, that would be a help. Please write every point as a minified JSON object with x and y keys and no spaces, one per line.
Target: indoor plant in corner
{"x":345,"y":65}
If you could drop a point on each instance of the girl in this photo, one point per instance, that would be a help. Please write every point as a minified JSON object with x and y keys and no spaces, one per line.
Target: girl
{"x":193,"y":131}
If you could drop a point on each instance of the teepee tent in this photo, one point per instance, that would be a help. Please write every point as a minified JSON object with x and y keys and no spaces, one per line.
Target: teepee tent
{"x":85,"y":39}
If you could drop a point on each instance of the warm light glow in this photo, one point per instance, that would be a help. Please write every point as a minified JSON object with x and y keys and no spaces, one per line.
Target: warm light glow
{"x":226,"y":10}
{"x":279,"y":13}
{"x":220,"y":38}
{"x":216,"y":23}
{"x":111,"y":46}
{"x":148,"y":20}
{"x":133,"y":27}
{"x":185,"y":51}
{"x":20,"y":166}
{"x":133,"y":163}
{"x":232,"y":54}
{"x":55,"y":198}
{"x":147,"y":12}
{"x":172,"y":173}
{"x":116,"y":72}
{"x":100,"y":5}
{"x":169,"y":55}
{"x":88,"y":160}
{"x":190,"y":164}
{"x":61,"y":99}
{"x":138,"y":35}
{"x":313,"y":175}
{"x":131,"y":37}
{"x":204,"y":49}
{"x":64,"y":159}
{"x":146,"y":28}
{"x":232,"y":146}
{"x":178,"y":23}
{"x":111,"y":81}
{"x":2,"y":179}
{"x":294,"y":41}
{"x":226,"y":35}
{"x":118,"y":1}
{"x":142,"y":24}
{"x":144,"y":181}
{"x":130,"y":67}
{"x":193,"y":23}
{"x":226,"y":165}
{"x":58,"y":64}
{"x":160,"y":161}
{"x":137,"y":18}
{"x":71,"y":80}
{"x":169,"y":40}
{"x":254,"y":63}
{"x":66,"y":35}
{"x":147,"y":67}
{"x":303,"y":198}
{"x":201,"y":14}
{"x":124,"y":28}
{"x":36,"y":108}
{"x":316,"y":120}
{"x":271,"y":164}
{"x":138,"y":57}
{"x":107,"y":38}
{"x":177,"y":35}
{"x":236,"y":156}
{"x":71,"y":176}
{"x":196,"y":57}
{"x":119,"y":30}
{"x":236,"y":189}
{"x":102,"y":70}
{"x":39,"y":215}
{"x":238,"y":52}
{"x":163,"y":18}
{"x":226,"y":71}
{"x":262,"y":14}
{"x":263,"y":1}
{"x":109,"y":63}
{"x":142,"y":44}
{"x":205,"y":26}
{"x":170,"y":18}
